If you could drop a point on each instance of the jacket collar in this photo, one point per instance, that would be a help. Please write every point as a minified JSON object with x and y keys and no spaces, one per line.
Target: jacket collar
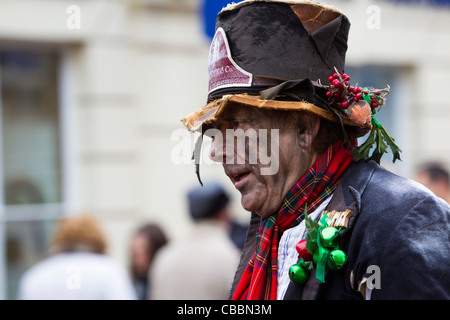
{"x":351,"y":188}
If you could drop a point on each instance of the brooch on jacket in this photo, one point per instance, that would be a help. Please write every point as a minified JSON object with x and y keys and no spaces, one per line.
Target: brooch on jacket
{"x":321,"y":246}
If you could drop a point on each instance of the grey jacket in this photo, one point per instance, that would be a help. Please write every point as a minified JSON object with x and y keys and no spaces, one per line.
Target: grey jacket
{"x":397,"y":242}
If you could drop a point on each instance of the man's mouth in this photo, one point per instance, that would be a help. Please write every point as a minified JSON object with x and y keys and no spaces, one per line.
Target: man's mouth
{"x":239,"y":178}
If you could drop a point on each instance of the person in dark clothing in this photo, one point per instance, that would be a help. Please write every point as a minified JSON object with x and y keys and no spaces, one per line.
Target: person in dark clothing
{"x":327,"y":222}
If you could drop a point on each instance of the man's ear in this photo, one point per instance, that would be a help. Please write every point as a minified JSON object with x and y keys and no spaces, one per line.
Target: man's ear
{"x":307,"y":132}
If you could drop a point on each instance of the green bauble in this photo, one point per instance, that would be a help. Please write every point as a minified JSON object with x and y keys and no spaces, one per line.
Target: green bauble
{"x":328,"y":236}
{"x":336,"y":259}
{"x":298,"y":274}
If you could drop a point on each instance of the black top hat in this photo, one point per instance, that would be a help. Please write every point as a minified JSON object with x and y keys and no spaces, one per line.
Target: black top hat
{"x":288,"y":48}
{"x":278,"y":41}
{"x":287,"y":55}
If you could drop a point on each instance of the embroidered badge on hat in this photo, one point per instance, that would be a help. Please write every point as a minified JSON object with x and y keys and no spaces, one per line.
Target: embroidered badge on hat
{"x":223,"y":70}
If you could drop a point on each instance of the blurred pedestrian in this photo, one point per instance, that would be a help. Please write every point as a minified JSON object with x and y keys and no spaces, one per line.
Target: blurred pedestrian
{"x":435,"y":177}
{"x":146,"y":241}
{"x":238,"y":233}
{"x":202,"y":265}
{"x":78,"y":268}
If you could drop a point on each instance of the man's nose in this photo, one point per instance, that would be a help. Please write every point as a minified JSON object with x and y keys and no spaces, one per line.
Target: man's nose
{"x":216,"y":150}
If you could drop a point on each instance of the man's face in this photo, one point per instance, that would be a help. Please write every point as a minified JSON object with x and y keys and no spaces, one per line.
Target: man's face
{"x":263,"y":184}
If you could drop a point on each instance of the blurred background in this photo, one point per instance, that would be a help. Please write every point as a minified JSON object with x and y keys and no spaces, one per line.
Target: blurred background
{"x":92,"y":92}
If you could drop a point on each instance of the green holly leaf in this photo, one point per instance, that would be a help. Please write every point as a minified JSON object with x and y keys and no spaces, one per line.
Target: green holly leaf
{"x":311,"y":238}
{"x":391,"y":142}
{"x":381,"y":140}
{"x":362,"y":152}
{"x":380,"y":148}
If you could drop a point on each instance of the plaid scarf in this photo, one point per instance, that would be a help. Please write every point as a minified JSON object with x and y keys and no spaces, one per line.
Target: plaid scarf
{"x":259,"y":280}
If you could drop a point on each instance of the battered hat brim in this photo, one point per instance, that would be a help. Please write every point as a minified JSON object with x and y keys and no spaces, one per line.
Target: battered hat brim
{"x":210,"y":112}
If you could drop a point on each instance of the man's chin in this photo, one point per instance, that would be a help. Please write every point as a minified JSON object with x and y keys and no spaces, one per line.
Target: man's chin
{"x":249,"y":203}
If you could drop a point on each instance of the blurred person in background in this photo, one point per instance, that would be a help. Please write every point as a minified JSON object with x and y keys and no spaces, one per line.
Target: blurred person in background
{"x":238,"y":233}
{"x":78,"y":268}
{"x":201,"y":266}
{"x":435,"y":177}
{"x":146,"y":241}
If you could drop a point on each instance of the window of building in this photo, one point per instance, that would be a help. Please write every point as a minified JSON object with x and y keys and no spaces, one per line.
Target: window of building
{"x":30,"y":171}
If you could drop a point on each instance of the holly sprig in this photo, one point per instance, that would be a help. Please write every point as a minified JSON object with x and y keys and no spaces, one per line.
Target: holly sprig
{"x":382,"y":140}
{"x":322,"y":249}
{"x":311,"y":237}
{"x":378,"y":135}
{"x":341,"y":95}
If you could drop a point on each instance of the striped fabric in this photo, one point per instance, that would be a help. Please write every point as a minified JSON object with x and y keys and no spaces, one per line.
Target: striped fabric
{"x":259,"y":280}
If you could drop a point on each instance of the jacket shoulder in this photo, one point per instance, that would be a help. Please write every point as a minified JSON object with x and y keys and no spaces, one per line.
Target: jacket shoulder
{"x":403,"y":230}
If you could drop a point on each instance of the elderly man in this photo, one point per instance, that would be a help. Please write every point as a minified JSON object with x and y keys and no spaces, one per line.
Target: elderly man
{"x":327,"y":223}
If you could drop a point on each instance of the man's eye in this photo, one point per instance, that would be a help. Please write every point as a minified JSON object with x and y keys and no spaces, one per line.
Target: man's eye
{"x":235,"y":123}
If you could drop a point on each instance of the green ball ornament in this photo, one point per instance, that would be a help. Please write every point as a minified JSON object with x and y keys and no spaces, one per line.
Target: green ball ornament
{"x":337,"y":259}
{"x":328,"y":236}
{"x":298,"y":274}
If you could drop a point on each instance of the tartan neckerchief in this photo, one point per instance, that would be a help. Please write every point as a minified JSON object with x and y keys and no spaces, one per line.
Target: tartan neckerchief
{"x":259,"y":279}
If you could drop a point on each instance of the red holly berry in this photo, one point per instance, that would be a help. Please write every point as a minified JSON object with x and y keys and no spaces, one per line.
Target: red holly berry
{"x":328,"y":94}
{"x":373,"y":102}
{"x":336,"y":83}
{"x":344,"y":104}
{"x":337,"y":95}
{"x":302,"y":251}
{"x":358,"y":96}
{"x":335,"y":76}
{"x":330,"y":78}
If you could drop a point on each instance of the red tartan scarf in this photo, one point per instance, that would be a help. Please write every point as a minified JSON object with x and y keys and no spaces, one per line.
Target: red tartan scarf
{"x":259,"y":280}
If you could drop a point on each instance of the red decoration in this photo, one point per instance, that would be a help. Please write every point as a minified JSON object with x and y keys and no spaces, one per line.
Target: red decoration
{"x":302,"y":251}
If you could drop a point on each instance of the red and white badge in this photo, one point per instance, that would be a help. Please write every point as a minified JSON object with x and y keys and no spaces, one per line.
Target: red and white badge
{"x":223,"y":70}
